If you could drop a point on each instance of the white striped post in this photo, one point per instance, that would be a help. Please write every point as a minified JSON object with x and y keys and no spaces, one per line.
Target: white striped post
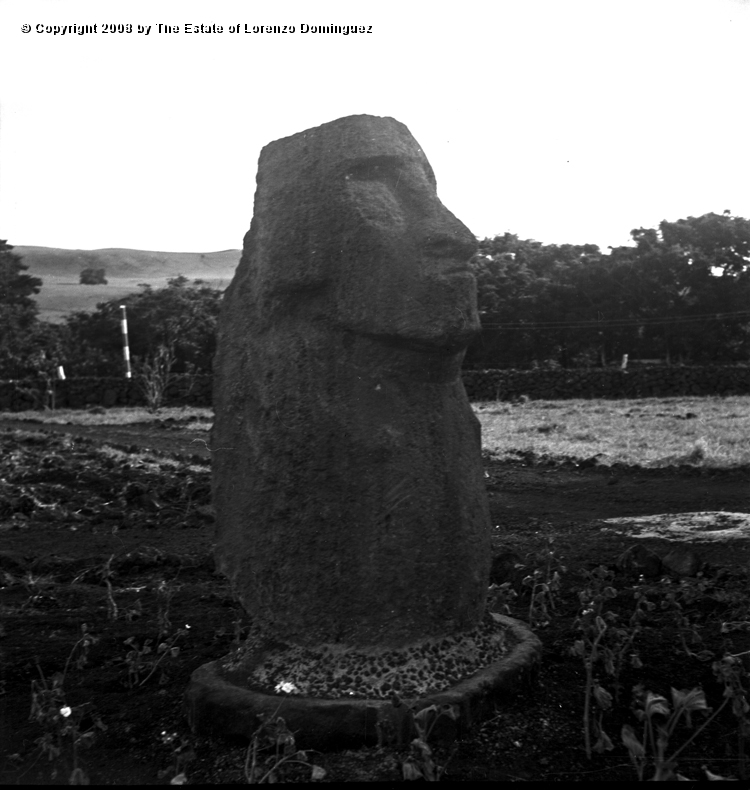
{"x":125,"y":346}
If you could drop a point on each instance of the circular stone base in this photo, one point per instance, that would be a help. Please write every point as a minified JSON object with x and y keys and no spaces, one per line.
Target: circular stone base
{"x":225,"y":699}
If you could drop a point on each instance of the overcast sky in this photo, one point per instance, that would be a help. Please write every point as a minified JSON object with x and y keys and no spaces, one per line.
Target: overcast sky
{"x":565,"y":121}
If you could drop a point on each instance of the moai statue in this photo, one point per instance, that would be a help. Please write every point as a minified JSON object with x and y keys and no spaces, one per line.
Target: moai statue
{"x":347,"y":475}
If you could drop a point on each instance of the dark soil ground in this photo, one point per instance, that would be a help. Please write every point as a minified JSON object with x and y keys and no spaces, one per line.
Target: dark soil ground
{"x":85,"y":529}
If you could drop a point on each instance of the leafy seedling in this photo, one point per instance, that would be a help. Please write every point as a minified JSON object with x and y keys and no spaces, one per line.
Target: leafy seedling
{"x":659,"y":723}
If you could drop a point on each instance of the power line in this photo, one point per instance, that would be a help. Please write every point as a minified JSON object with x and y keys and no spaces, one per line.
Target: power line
{"x":614,"y":323}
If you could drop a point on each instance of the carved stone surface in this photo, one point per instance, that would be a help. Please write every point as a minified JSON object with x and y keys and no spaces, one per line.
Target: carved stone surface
{"x":347,"y":472}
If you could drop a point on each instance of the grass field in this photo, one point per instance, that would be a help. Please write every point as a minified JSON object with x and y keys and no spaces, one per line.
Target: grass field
{"x":709,"y":432}
{"x":117,"y":416}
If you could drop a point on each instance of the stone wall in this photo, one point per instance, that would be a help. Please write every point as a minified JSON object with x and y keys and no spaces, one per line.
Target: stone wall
{"x":638,"y":382}
{"x":480,"y":385}
{"x":79,"y":393}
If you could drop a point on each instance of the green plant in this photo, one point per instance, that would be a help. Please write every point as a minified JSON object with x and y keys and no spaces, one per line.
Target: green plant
{"x":164,"y":593}
{"x":673,"y":601}
{"x":182,"y":754}
{"x":733,"y":595}
{"x":106,"y":574}
{"x":81,"y":650}
{"x":544,"y":583}
{"x":394,"y":724}
{"x":189,"y":484}
{"x":594,"y":628}
{"x":141,"y":668}
{"x":420,"y":763}
{"x":603,"y":641}
{"x":63,"y":733}
{"x":134,"y":611}
{"x":652,"y":747}
{"x":500,"y":596}
{"x":155,"y":374}
{"x":730,"y":671}
{"x":273,"y":735}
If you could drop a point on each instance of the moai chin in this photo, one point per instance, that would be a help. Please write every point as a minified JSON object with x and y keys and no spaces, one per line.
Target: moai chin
{"x":347,"y":474}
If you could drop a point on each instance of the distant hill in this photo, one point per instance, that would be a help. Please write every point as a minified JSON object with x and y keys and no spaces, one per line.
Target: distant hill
{"x":60,"y":270}
{"x":129,"y":263}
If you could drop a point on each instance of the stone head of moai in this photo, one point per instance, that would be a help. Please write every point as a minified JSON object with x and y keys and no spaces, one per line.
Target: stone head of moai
{"x":348,"y":227}
{"x":346,"y":458}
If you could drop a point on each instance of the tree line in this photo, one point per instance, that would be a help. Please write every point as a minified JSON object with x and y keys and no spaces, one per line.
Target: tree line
{"x":680,"y":293}
{"x":179,"y":319}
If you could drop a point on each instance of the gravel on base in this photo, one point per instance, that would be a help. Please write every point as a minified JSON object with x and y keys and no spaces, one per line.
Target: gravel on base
{"x":335,"y":672}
